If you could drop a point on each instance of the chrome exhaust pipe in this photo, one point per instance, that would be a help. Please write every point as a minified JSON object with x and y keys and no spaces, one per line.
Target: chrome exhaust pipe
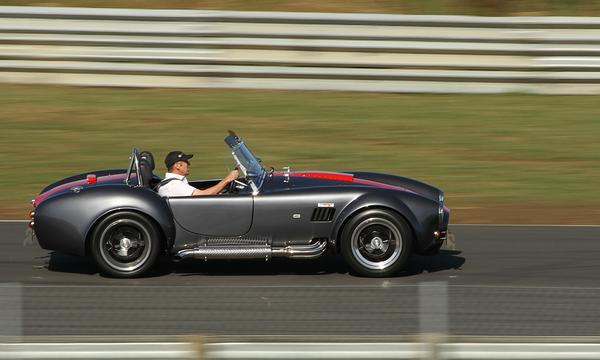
{"x":253,"y":252}
{"x":301,"y":251}
{"x":231,"y":252}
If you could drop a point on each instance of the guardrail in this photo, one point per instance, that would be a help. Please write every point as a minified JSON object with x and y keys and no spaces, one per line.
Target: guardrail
{"x":434,"y":347}
{"x":311,"y":51}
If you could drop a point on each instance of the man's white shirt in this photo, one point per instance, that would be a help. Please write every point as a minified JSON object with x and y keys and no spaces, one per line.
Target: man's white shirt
{"x":177,"y":187}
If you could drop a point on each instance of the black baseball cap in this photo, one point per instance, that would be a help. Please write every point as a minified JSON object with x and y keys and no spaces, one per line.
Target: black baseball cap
{"x":175,"y":156}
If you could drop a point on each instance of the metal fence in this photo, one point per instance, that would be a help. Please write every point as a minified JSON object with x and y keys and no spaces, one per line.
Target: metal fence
{"x":309,"y":51}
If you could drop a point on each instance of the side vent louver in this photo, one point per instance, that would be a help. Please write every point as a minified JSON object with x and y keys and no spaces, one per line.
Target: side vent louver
{"x":322,"y":214}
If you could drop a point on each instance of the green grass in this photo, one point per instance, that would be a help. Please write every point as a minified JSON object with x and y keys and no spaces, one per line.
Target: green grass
{"x":481,"y":149}
{"x":466,"y":7}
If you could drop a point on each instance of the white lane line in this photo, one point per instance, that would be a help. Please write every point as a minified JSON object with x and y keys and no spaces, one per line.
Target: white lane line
{"x":129,"y":285}
{"x":526,"y":225}
{"x":367,"y":286}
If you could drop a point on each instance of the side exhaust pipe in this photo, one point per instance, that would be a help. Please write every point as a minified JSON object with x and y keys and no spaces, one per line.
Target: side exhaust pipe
{"x":229,"y":252}
{"x":253,"y":252}
{"x":301,"y":251}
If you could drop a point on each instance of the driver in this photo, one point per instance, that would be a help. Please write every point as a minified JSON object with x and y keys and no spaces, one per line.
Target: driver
{"x":175,"y":183}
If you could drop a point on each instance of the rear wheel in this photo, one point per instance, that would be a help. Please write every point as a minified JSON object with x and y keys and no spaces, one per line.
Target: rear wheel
{"x":376,"y":243}
{"x":125,"y":244}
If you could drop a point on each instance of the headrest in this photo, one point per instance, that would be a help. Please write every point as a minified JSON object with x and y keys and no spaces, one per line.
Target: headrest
{"x":148,"y":157}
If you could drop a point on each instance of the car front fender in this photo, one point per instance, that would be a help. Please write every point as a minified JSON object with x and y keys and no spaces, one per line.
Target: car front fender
{"x":419,"y":212}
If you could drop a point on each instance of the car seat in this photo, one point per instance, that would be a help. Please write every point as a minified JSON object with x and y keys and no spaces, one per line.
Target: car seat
{"x":146,"y":162}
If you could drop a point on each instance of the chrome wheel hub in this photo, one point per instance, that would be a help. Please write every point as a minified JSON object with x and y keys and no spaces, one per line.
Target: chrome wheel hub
{"x":125,"y":245}
{"x":376,"y":243}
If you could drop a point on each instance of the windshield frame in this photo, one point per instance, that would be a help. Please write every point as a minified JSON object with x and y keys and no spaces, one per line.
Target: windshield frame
{"x":247,"y":163}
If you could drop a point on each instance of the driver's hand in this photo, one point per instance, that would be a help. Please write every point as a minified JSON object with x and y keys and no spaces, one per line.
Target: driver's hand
{"x":232,"y":176}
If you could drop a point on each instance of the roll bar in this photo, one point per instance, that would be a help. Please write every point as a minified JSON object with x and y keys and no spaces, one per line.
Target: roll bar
{"x":134,"y":162}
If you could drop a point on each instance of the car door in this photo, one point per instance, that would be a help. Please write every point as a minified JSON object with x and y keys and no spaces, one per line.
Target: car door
{"x":216,"y":215}
{"x":297,"y":217}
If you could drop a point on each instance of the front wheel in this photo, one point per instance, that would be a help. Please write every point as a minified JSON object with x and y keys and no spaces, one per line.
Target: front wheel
{"x":376,"y":243}
{"x":125,"y":244}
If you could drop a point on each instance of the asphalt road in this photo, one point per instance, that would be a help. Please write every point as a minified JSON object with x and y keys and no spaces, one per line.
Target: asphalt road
{"x":501,"y":280}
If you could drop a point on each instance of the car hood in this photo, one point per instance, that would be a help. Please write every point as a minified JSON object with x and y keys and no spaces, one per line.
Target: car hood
{"x":408,"y":184}
{"x":361,"y":178}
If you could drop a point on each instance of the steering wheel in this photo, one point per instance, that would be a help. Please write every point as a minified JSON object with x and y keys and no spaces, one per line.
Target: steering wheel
{"x":233,"y":186}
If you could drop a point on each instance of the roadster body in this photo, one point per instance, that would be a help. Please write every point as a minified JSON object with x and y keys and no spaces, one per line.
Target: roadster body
{"x":118,"y":219}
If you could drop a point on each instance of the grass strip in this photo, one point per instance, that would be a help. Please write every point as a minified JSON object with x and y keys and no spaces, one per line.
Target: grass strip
{"x":507,"y":151}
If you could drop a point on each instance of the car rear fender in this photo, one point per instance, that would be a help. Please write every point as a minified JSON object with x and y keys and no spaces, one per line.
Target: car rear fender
{"x":147,"y":203}
{"x":64,"y":222}
{"x":166,"y":240}
{"x":82,"y":176}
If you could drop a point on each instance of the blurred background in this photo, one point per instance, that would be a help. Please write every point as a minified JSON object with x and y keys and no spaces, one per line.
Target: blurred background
{"x":496,"y":104}
{"x":462,"y":103}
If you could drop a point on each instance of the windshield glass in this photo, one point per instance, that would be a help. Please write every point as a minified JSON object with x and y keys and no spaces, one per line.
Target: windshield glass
{"x":246,"y":161}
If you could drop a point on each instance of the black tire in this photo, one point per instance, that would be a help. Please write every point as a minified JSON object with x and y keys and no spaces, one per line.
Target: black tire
{"x":125,"y":245}
{"x":376,"y":243}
